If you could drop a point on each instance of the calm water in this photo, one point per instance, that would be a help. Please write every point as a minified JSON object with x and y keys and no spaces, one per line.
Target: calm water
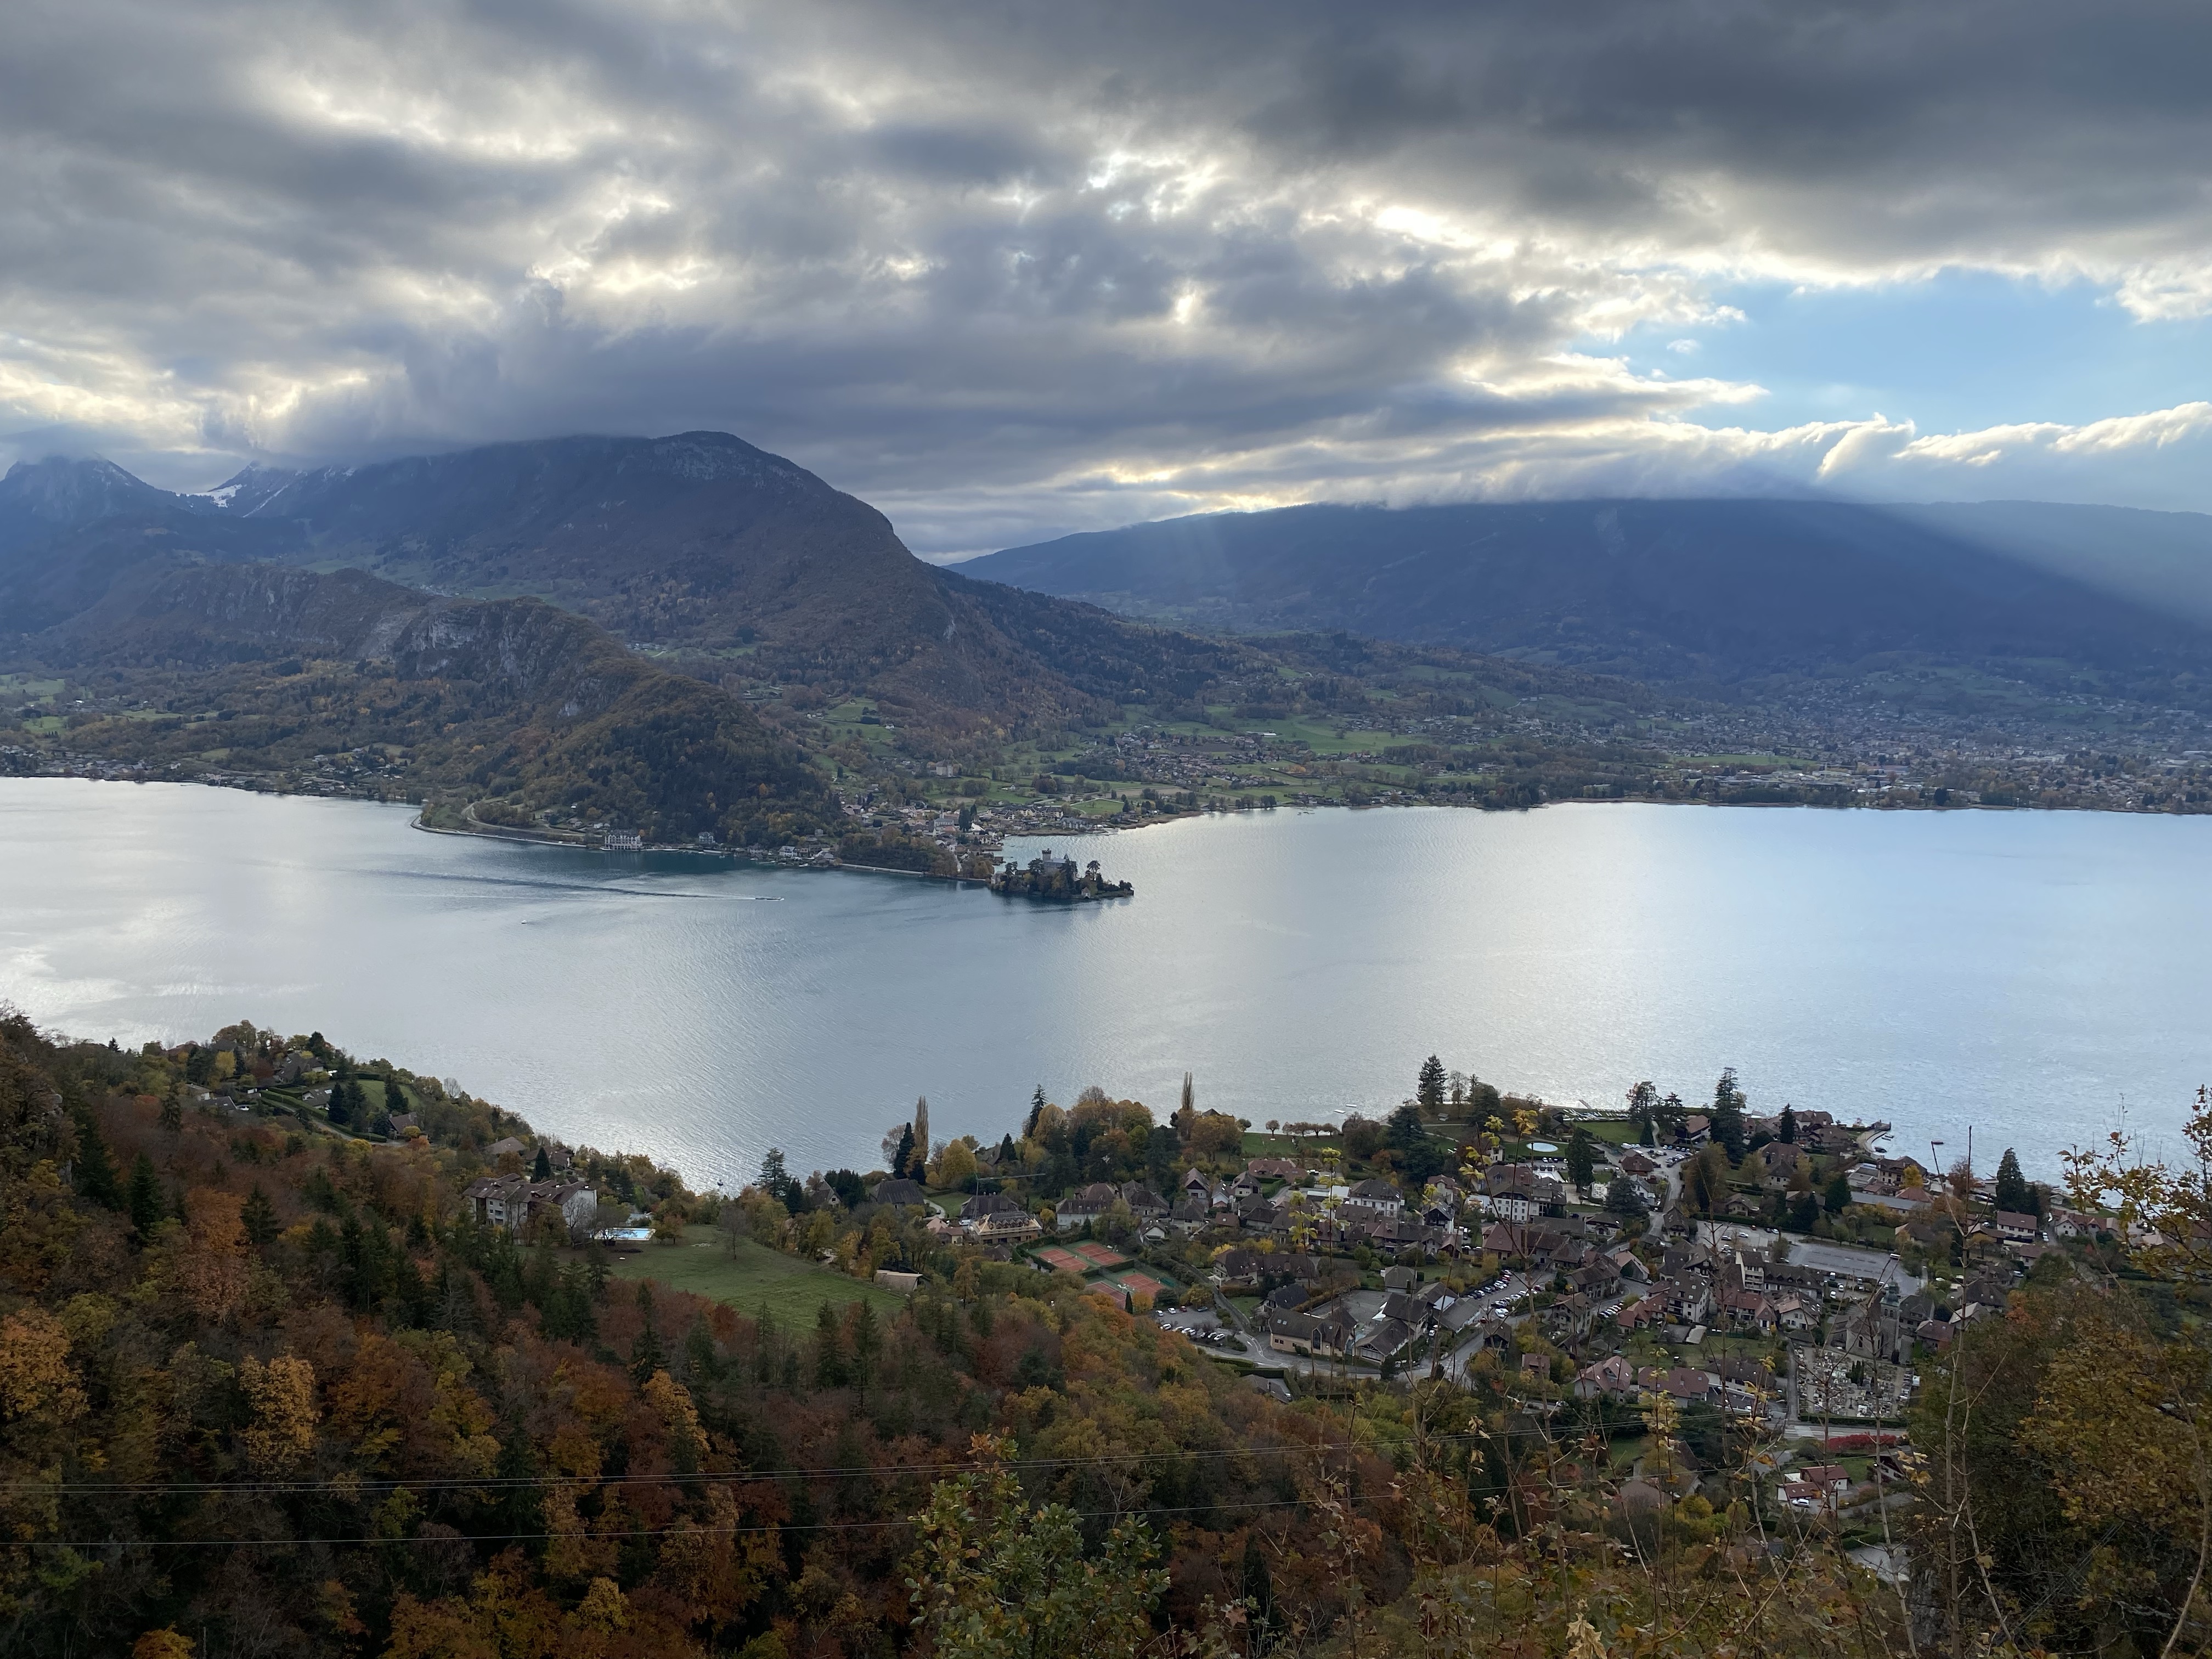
{"x":2026,"y":974}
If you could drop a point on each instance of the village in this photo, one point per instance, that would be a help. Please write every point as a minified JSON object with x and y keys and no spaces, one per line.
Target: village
{"x":1602,"y":1265}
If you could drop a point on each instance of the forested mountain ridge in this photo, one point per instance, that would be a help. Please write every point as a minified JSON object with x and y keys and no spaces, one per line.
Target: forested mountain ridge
{"x":737,"y":561}
{"x":512,"y":707}
{"x":1713,"y":591}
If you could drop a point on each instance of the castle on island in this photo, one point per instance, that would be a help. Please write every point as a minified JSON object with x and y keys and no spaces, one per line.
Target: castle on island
{"x":1057,"y":881}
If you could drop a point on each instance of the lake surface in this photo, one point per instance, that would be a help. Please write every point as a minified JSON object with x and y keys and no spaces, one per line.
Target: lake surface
{"x":2028,"y":974}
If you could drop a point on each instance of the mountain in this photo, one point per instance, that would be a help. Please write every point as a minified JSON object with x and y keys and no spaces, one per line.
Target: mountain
{"x":517,"y":709}
{"x":1682,"y":590}
{"x":703,"y":545}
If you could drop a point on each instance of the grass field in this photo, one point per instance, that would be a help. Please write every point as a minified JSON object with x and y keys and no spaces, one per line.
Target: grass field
{"x":793,"y":1289}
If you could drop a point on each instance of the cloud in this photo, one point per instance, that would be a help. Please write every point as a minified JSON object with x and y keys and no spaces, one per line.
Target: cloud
{"x":1001,"y":271}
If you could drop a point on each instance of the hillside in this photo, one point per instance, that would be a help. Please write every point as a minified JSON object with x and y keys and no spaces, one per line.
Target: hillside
{"x":702,"y":546}
{"x":270,"y":1383}
{"x":1695,"y":591}
{"x":518,"y":708}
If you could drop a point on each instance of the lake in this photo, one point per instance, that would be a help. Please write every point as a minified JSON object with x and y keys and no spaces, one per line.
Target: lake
{"x":2033,"y":976}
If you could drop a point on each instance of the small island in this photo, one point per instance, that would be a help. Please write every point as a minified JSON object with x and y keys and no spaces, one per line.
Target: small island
{"x":1057,"y":881}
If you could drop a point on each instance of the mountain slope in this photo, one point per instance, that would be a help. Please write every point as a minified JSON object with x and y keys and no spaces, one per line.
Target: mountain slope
{"x":704,"y":544}
{"x":513,"y":705}
{"x":1659,"y":589}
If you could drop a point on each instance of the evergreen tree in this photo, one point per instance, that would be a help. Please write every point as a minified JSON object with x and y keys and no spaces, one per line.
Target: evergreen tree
{"x":1727,"y":1116}
{"x":1838,"y":1193}
{"x":1258,"y":1589}
{"x":1582,"y":1159}
{"x":867,"y":1342}
{"x":2012,"y":1188}
{"x":143,"y":1201}
{"x":542,"y":1168}
{"x":828,"y":1349}
{"x":1643,"y":1102}
{"x":646,"y":1355}
{"x":700,"y":1360}
{"x":173,"y":1110}
{"x":904,"y":1155}
{"x":1037,"y":1103}
{"x":1623,"y":1197}
{"x":259,"y":1217}
{"x":1786,"y":1130}
{"x":1646,"y":1135}
{"x":1429,"y":1088}
{"x":94,"y":1169}
{"x":921,"y":1156}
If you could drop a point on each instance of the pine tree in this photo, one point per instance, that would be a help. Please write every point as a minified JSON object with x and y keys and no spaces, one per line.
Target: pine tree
{"x":2012,"y":1188}
{"x":828,"y":1349}
{"x":143,"y":1201}
{"x":1429,"y":1088}
{"x":1838,"y":1193}
{"x":1258,"y":1587}
{"x":1786,"y":1130}
{"x":646,"y":1355}
{"x":259,"y":1217}
{"x":93,"y":1169}
{"x":1037,"y":1103}
{"x":1727,"y":1116}
{"x":173,"y":1110}
{"x":542,"y":1168}
{"x":1582,"y":1159}
{"x":904,"y":1155}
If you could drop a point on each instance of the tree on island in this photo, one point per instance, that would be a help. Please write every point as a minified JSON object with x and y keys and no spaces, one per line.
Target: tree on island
{"x":2012,"y":1190}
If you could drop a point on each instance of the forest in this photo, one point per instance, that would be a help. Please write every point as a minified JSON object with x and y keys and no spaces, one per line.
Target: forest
{"x":268,"y":1387}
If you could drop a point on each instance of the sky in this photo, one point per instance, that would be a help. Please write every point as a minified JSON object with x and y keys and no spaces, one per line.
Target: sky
{"x":1013,"y":269}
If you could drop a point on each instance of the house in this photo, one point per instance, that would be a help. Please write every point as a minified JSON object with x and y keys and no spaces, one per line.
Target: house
{"x":1191,"y":1215}
{"x":1375,"y":1198}
{"x":1778,"y":1163}
{"x":1239,"y":1269}
{"x":1568,"y":1316}
{"x":1326,"y":1333}
{"x":1637,"y":1164}
{"x":2016,"y":1229}
{"x":2077,"y":1223}
{"x":1700,"y":1387}
{"x":500,"y":1149}
{"x":1793,"y":1313}
{"x":1196,"y":1183}
{"x":985,"y":1204}
{"x":1089,"y":1204}
{"x":1639,"y":1315}
{"x":899,"y":1191}
{"x":1399,"y":1278}
{"x":509,"y":1202}
{"x":1144,"y":1203}
{"x":1276,"y":1169}
{"x":1007,"y":1227}
{"x":1612,"y":1378}
{"x":1384,"y":1338}
{"x":1247,"y":1185}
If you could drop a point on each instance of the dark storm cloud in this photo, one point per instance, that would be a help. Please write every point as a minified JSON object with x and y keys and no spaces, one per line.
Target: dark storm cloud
{"x":1009,"y":268}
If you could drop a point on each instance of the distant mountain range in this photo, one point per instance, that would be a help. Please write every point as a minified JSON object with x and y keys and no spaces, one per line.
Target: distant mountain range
{"x":1712,"y":590}
{"x":697,"y":544}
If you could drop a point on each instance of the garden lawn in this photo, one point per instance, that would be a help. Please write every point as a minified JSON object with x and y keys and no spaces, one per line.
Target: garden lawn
{"x":791,"y":1288}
